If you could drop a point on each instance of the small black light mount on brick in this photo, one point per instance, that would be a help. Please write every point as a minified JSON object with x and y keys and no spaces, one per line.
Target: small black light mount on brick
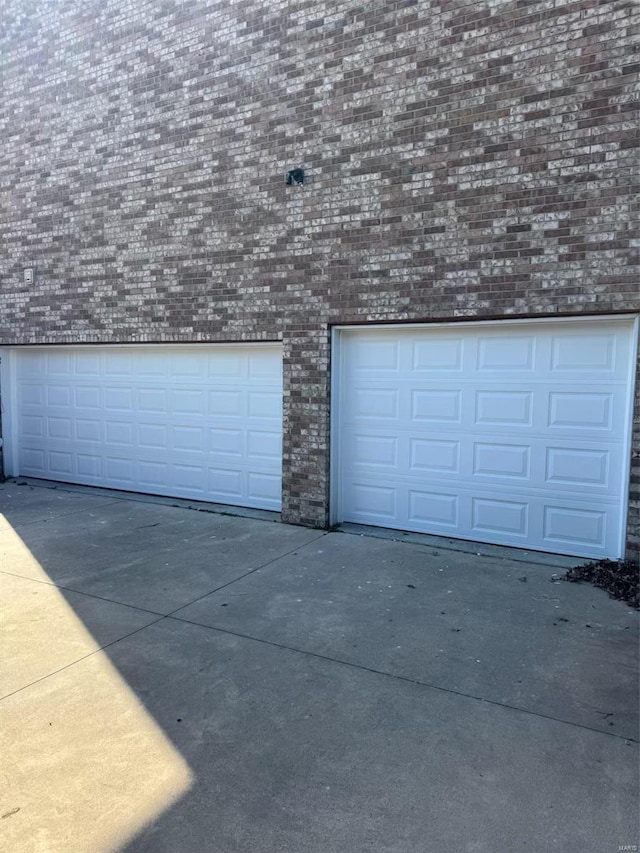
{"x":294,"y":177}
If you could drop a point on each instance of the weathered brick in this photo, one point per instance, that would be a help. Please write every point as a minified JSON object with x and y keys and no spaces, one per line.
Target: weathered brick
{"x":462,"y":162}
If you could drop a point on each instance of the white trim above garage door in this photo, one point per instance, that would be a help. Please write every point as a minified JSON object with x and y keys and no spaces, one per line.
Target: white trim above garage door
{"x":513,"y":433}
{"x":191,"y":421}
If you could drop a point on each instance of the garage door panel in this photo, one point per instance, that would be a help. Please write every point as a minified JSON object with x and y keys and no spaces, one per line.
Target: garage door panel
{"x":575,"y":527}
{"x":504,"y":408}
{"x":534,"y":489}
{"x":263,"y":444}
{"x":58,"y":364}
{"x":60,"y":462}
{"x":204,"y":423}
{"x":59,"y":427}
{"x":372,"y":503}
{"x":265,"y":366}
{"x":118,"y":364}
{"x":187,"y":401}
{"x":441,"y":356}
{"x":153,"y":474}
{"x":265,"y":404}
{"x":119,"y":433}
{"x":30,"y":395}
{"x":500,"y":518}
{"x":226,"y":402}
{"x":591,"y":353}
{"x":263,"y":486}
{"x":381,"y":354}
{"x":190,"y":438}
{"x":375,"y":450}
{"x":226,"y":482}
{"x":533,"y":466}
{"x":31,"y":366}
{"x":84,"y":364}
{"x":497,"y":518}
{"x":32,"y":461}
{"x":502,"y":460}
{"x":117,"y":399}
{"x":571,"y":467}
{"x":119,"y":470}
{"x":89,"y":466}
{"x":151,"y":365}
{"x":227,"y":365}
{"x":152,"y":436}
{"x":527,"y":446}
{"x":581,"y":410}
{"x":190,"y":478}
{"x":436,"y":406}
{"x":434,"y":455}
{"x":434,"y":507}
{"x":187,"y":365}
{"x":87,"y":397}
{"x":370,"y":403}
{"x":506,"y":353}
{"x":32,"y":426}
{"x":59,"y":395}
{"x":226,"y":442}
{"x":152,"y":401}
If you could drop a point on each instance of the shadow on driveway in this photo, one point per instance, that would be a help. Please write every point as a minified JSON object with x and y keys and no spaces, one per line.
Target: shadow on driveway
{"x":186,"y":681}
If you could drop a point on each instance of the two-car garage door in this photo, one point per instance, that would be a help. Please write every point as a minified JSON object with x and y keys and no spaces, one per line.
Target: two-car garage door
{"x":512,"y":434}
{"x":200,"y":422}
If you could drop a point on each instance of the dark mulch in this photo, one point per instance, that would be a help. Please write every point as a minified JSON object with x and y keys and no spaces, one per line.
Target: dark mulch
{"x":620,"y":578}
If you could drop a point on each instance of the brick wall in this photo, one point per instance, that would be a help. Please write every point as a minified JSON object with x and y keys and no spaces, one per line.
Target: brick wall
{"x":463,"y":159}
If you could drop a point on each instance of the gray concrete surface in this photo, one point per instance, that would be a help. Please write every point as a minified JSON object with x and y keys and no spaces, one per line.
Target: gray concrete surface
{"x":188,"y":682}
{"x":480,"y":626}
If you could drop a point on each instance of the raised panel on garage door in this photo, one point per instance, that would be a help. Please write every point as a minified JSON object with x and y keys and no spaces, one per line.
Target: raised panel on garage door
{"x":516,"y":434}
{"x":199,"y":422}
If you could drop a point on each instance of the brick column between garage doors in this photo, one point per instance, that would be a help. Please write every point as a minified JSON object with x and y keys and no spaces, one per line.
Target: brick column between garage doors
{"x":305,"y":461}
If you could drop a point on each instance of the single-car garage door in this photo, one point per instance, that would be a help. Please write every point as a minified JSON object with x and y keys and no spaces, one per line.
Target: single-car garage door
{"x":515,"y":434}
{"x":200,"y":422}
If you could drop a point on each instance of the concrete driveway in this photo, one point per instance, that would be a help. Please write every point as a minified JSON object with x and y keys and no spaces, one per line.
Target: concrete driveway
{"x":187,"y":682}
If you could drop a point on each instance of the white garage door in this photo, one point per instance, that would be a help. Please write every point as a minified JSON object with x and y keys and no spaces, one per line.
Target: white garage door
{"x":200,"y":422}
{"x":514,"y":434}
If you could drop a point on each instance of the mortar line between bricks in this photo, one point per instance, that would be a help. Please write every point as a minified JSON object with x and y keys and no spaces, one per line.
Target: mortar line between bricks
{"x":403,"y":678}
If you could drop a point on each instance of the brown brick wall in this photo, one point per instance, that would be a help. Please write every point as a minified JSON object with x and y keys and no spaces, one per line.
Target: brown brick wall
{"x":463,"y":160}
